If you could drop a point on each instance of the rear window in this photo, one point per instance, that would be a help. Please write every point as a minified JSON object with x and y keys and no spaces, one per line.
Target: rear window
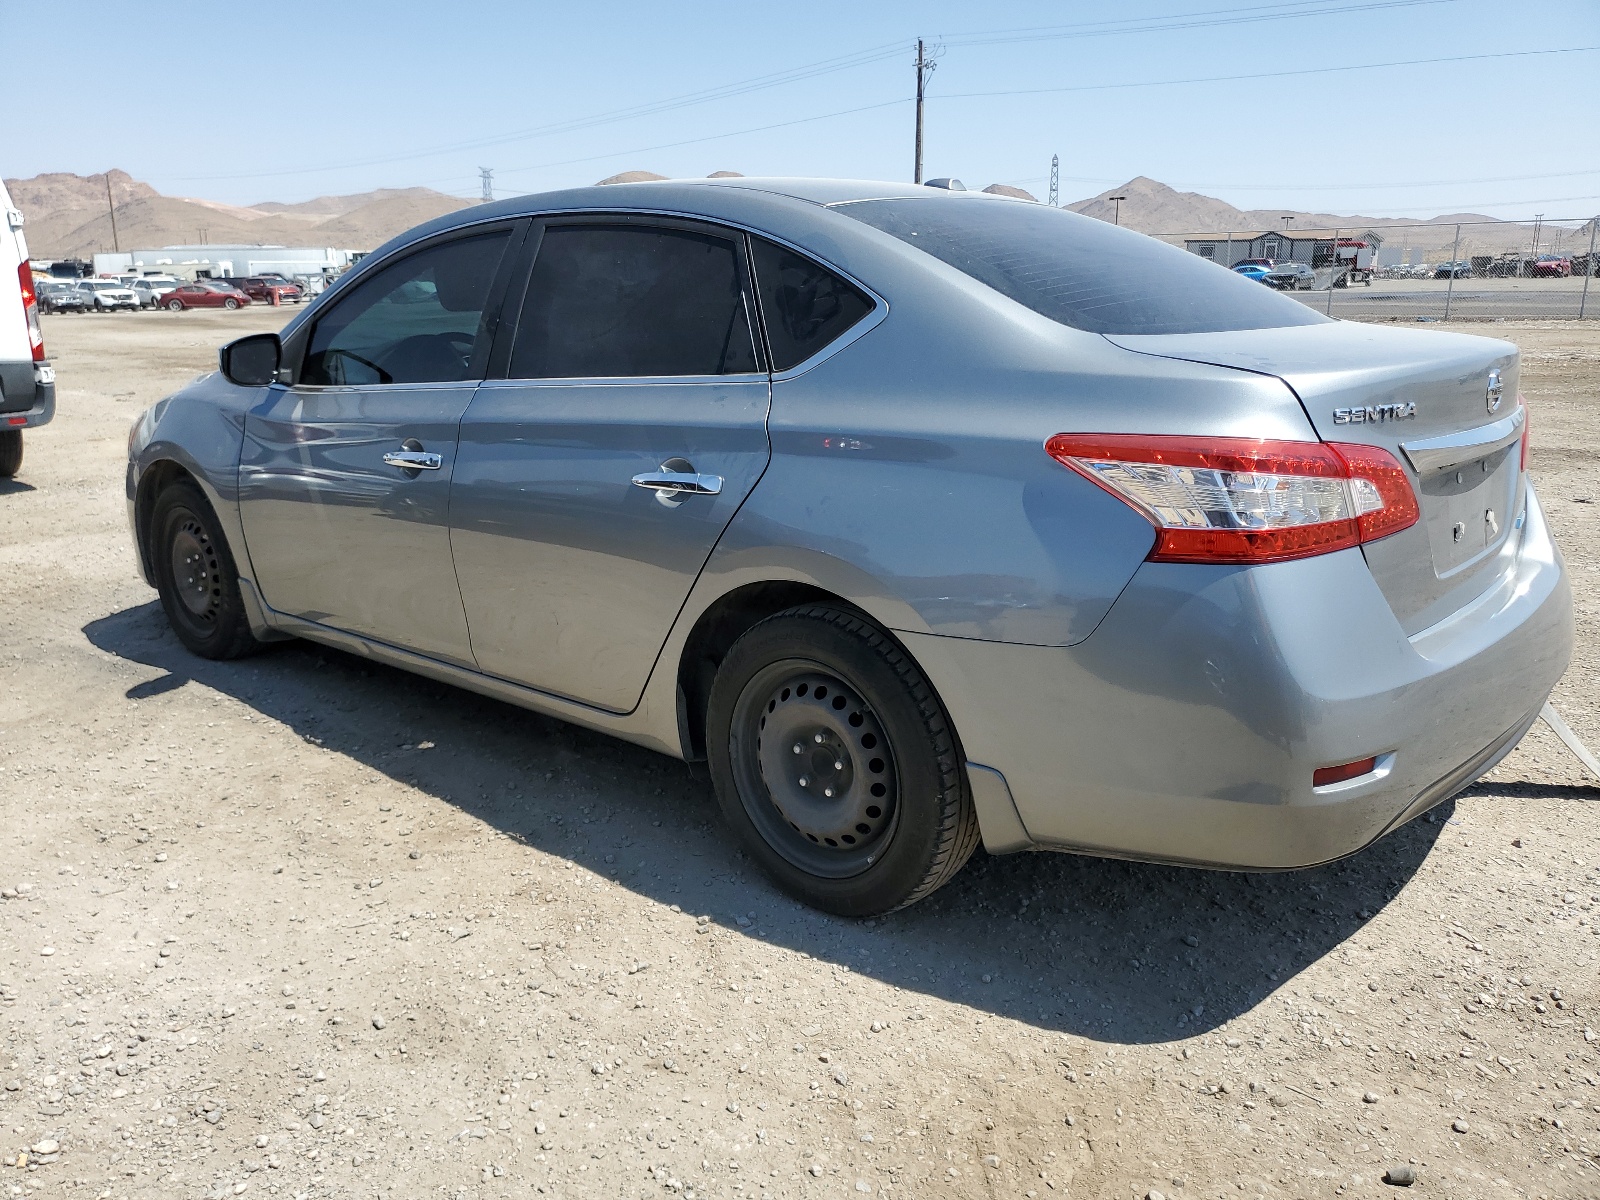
{"x":1080,"y":271}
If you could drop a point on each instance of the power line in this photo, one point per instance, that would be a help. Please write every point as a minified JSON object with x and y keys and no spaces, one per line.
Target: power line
{"x":1181,"y":21}
{"x":1412,"y":62}
{"x":978,"y":95}
{"x":865,"y":57}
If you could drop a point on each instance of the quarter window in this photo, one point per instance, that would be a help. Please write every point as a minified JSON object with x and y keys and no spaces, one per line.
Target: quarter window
{"x":805,"y":306}
{"x":610,"y":301}
{"x":419,"y":320}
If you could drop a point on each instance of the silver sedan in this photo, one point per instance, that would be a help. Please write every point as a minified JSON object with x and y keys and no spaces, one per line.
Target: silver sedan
{"x":922,"y":517}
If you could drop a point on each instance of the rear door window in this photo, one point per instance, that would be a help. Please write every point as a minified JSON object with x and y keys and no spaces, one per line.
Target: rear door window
{"x":805,"y":305}
{"x":1080,"y":271}
{"x":622,"y":300}
{"x":419,"y":320}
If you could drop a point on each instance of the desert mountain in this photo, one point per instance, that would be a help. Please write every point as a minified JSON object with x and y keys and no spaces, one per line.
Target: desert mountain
{"x":67,"y":216}
{"x":1154,"y":208}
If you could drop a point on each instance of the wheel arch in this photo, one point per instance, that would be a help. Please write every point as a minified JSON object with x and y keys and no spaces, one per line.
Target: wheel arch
{"x":153,"y":480}
{"x":715,"y":631}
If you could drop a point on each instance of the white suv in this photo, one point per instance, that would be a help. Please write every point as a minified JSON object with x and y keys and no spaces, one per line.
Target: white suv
{"x":27,"y":380}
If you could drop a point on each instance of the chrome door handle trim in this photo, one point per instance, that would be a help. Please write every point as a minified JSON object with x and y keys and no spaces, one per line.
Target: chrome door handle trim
{"x":414,"y":460}
{"x":679,"y":482}
{"x":1453,"y":449}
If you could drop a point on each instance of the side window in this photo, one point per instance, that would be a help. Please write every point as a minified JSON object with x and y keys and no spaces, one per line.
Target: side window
{"x":804,"y":305}
{"x":416,"y":321}
{"x":608,"y":301}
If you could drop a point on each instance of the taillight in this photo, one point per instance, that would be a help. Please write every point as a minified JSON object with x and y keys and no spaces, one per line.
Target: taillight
{"x":30,"y":310}
{"x":1244,"y":500}
{"x":1522,"y":403}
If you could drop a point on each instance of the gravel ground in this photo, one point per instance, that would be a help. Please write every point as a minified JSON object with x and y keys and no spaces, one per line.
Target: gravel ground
{"x":308,"y":926}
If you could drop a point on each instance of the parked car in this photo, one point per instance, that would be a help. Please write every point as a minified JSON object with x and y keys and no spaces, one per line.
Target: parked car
{"x":1551,"y":266}
{"x":1291,"y":276}
{"x":269,"y":289}
{"x":207,"y":294}
{"x":921,"y":516}
{"x":1253,"y":271}
{"x":1265,"y":264}
{"x":1458,"y":270}
{"x":107,"y":295}
{"x":27,"y":377}
{"x":60,"y":296}
{"x":152,"y":289}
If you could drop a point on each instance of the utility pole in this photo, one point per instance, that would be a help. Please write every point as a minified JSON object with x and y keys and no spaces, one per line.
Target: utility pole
{"x":1116,"y":213}
{"x":1588,"y":266}
{"x":924,"y":69}
{"x":1533,"y":253}
{"x":111,"y":208}
{"x":487,"y":176}
{"x":1055,"y":181}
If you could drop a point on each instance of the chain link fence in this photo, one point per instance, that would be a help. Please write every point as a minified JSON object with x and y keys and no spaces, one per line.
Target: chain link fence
{"x":1441,"y":270}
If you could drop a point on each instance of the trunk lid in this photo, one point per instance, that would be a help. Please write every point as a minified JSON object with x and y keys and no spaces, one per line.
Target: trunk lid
{"x":1426,"y":397}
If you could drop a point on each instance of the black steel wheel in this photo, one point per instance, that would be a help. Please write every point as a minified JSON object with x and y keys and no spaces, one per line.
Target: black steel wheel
{"x":836,"y":764}
{"x":195,"y":575}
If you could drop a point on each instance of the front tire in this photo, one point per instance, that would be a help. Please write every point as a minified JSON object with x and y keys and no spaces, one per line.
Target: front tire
{"x":230,"y":303}
{"x":836,"y":765}
{"x":196,"y":576}
{"x":10,"y":452}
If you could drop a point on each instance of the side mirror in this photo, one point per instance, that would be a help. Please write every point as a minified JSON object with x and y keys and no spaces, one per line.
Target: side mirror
{"x":252,"y":361}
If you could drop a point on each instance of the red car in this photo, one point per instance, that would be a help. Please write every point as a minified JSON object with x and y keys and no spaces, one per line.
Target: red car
{"x":205,"y":295}
{"x":269,"y":289}
{"x":1551,"y":266}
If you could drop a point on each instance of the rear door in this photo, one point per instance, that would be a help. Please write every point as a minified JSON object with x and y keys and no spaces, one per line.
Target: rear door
{"x":344,"y":483}
{"x":594,"y":479}
{"x":1444,"y":404}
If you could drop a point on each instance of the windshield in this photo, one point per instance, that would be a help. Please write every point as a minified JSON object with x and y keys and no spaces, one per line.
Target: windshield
{"x":1080,"y":271}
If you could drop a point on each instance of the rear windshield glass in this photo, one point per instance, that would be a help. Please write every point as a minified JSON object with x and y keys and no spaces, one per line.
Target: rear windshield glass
{"x":1080,"y":271}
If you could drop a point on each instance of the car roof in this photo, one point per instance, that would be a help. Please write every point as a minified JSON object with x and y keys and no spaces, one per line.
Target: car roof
{"x":744,"y":197}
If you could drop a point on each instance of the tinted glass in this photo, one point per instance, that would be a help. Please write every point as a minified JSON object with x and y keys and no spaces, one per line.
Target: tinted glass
{"x":805,"y":306}
{"x":618,"y":300}
{"x":1080,"y":271}
{"x":416,"y":321}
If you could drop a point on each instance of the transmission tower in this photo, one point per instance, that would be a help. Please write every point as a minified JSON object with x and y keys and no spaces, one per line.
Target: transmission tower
{"x":1055,"y":181}
{"x":488,"y":183}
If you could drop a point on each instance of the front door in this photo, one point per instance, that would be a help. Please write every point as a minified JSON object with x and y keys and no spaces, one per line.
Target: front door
{"x":344,"y":483}
{"x":592,"y":483}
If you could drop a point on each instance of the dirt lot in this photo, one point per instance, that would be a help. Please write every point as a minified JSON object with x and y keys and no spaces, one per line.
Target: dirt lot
{"x":305,"y":926}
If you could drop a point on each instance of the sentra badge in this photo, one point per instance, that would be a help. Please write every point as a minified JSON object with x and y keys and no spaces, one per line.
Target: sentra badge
{"x":1374,"y":413}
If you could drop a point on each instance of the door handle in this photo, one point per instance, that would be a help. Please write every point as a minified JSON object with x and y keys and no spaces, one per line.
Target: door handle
{"x":414,"y":460}
{"x":679,"y":483}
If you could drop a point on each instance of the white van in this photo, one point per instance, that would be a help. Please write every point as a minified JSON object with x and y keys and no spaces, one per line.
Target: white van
{"x":27,"y":380}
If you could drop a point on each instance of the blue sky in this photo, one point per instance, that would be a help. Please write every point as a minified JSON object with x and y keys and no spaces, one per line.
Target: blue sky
{"x":251,"y":102}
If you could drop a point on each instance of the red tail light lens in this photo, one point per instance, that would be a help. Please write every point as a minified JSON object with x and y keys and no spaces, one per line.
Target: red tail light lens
{"x":1245,"y":500}
{"x":30,"y":310}
{"x":1323,"y":776}
{"x":1522,"y":403}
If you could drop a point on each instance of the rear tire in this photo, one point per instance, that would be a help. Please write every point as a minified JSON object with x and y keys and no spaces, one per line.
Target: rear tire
{"x":836,"y":765}
{"x":174,"y":305}
{"x":10,"y":452}
{"x":196,"y":576}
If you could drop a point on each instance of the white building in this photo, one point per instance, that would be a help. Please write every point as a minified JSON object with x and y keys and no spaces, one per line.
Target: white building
{"x":223,"y":262}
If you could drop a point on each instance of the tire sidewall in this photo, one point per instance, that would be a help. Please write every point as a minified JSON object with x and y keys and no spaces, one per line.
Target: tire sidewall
{"x":171,"y":507}
{"x":924,"y":773}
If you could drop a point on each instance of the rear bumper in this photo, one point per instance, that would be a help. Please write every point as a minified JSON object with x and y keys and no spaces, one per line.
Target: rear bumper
{"x":1186,"y":728}
{"x":27,"y":394}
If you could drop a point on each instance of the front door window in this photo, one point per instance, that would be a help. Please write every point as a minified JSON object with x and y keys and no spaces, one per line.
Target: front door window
{"x":417,"y":321}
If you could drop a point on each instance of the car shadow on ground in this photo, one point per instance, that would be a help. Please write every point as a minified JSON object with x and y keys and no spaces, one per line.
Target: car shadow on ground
{"x":1122,"y":952}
